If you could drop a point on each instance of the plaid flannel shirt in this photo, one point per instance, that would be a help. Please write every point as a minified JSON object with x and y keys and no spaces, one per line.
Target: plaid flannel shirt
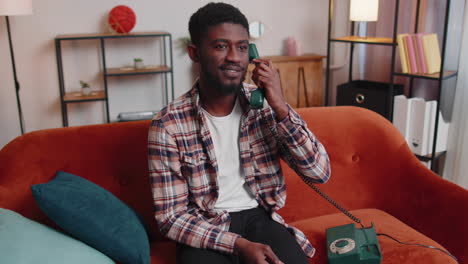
{"x":183,"y":168}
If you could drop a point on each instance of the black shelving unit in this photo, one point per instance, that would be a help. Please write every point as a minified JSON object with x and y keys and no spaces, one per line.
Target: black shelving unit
{"x":441,"y":77}
{"x":166,"y":68}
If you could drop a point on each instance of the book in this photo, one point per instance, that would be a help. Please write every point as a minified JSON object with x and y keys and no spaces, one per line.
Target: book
{"x":405,"y":47}
{"x":403,"y":55}
{"x":419,"y":128}
{"x":431,"y":52}
{"x":442,"y":129}
{"x":416,"y":53}
{"x":420,"y":52}
{"x":411,"y":54}
{"x":401,"y":115}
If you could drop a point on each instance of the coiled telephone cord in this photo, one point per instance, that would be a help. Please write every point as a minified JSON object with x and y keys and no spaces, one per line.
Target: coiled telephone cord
{"x":330,"y":200}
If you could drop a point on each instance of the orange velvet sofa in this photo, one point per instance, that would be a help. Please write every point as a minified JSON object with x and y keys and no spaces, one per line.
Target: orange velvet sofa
{"x":374,"y":174}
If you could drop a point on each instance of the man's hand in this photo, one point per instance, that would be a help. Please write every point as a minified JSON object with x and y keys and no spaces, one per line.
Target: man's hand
{"x":267,"y":77}
{"x":255,"y":253}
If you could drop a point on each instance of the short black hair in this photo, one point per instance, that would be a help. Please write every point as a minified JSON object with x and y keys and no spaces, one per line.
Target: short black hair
{"x":214,"y":14}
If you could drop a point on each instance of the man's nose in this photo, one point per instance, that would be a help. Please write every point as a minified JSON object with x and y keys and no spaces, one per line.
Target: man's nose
{"x":233,"y":55}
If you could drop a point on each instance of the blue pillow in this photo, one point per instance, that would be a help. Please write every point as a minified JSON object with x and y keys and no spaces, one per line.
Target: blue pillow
{"x":94,"y":216}
{"x":23,"y":241}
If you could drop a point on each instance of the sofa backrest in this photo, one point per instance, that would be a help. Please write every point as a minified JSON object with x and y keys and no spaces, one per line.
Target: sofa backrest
{"x":114,"y":156}
{"x":365,"y":150}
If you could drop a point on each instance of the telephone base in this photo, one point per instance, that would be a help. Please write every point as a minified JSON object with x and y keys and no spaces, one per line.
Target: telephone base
{"x":350,"y":245}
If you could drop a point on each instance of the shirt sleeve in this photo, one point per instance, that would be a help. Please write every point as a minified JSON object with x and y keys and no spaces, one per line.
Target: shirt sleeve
{"x":301,"y":149}
{"x":170,"y":195}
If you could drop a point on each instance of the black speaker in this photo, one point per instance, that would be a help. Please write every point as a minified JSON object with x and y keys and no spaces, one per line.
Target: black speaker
{"x":367,"y":94}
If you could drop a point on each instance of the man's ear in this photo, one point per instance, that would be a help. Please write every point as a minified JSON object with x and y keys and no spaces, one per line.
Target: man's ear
{"x":192,"y":50}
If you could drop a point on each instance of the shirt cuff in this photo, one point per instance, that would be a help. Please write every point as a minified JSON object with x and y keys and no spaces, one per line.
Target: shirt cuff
{"x":290,"y":124}
{"x":226,"y":242}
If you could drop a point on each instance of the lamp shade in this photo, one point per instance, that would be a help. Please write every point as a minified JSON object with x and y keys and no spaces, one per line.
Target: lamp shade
{"x":364,"y":10}
{"x":15,"y":7}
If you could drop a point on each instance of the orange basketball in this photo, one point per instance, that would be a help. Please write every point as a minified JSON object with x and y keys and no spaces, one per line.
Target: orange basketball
{"x":122,"y":19}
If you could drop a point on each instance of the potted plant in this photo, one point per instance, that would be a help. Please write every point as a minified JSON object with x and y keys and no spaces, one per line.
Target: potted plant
{"x":85,"y":88}
{"x":138,"y":63}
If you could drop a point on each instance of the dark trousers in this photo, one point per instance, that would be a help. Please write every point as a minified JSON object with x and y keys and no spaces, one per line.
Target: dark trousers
{"x":254,"y":225}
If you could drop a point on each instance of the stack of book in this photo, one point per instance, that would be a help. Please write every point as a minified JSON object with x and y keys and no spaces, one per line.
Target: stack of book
{"x":419,"y":53}
{"x":415,"y":118}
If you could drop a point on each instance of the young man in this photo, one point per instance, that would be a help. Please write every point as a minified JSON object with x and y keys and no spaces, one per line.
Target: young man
{"x":215,"y":162}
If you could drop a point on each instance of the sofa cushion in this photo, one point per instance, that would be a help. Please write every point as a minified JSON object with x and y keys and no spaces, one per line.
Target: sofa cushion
{"x":95,"y":216}
{"x":23,"y":241}
{"x":393,"y":252}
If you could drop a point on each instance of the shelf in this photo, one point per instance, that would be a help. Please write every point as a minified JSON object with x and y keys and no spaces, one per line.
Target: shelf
{"x":434,"y":76}
{"x":133,"y":71}
{"x":305,"y":57}
{"x":111,"y":35}
{"x":75,"y":97}
{"x":429,"y":156}
{"x":166,"y":69}
{"x":365,"y":40}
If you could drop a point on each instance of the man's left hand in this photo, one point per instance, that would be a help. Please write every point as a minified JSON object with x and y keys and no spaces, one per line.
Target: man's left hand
{"x":266,"y":76}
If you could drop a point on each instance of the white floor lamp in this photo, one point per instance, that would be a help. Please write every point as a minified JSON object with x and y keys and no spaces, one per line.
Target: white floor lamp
{"x":14,"y":8}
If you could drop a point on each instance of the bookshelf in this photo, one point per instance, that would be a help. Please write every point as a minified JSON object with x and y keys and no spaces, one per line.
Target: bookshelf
{"x":166,"y":68}
{"x":445,"y":80}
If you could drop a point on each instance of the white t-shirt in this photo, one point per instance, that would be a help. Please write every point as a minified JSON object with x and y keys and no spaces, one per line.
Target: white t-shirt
{"x":233,"y":194}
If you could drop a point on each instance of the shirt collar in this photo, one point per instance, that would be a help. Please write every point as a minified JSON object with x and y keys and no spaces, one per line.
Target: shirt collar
{"x":244,"y":96}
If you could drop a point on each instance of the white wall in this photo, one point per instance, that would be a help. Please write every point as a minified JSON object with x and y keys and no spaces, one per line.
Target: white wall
{"x":456,"y":166}
{"x":33,"y":40}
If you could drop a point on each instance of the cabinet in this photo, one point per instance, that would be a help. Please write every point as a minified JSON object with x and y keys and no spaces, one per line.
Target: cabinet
{"x":166,"y":68}
{"x":301,"y":78}
{"x":444,"y":81}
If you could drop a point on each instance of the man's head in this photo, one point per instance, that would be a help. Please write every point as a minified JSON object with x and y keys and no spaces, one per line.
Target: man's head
{"x":220,"y":34}
{"x":214,"y":14}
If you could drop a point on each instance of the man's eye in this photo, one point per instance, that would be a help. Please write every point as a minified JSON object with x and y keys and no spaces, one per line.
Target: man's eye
{"x":244,"y":47}
{"x":220,"y":46}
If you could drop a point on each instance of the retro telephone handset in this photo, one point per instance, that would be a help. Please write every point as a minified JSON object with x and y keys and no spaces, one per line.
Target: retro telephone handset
{"x":258,"y":96}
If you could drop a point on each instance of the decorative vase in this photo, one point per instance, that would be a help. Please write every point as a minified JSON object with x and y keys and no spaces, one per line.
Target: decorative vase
{"x":122,"y":19}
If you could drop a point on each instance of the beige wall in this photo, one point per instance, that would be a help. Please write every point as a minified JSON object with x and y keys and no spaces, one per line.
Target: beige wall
{"x":33,"y":40}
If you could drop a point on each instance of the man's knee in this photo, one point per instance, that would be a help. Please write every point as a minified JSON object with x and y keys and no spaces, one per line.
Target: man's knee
{"x":282,"y":242}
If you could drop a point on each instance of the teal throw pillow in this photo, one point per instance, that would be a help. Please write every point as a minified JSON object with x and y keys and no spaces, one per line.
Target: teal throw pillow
{"x":23,"y":241}
{"x":94,"y":216}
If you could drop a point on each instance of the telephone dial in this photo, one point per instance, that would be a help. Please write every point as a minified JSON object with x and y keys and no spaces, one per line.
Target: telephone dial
{"x":347,"y":244}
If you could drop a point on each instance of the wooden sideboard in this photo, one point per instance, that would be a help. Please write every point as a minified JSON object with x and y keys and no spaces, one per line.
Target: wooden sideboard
{"x":301,"y":78}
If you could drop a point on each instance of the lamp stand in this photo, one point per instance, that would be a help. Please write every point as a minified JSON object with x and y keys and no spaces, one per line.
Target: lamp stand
{"x":362,"y":29}
{"x":17,"y":85}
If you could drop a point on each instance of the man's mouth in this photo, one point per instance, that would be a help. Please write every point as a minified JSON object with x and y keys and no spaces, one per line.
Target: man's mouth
{"x":232,"y":71}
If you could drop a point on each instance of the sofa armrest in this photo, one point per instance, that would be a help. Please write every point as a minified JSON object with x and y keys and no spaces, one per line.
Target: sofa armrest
{"x":373,"y":167}
{"x":430,"y":204}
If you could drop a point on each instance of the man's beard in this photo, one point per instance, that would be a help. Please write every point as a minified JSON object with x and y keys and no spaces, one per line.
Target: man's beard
{"x":224,"y":89}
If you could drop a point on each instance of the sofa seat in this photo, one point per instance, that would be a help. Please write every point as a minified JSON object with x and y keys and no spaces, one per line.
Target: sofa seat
{"x":163,"y":252}
{"x":393,"y":252}
{"x":314,"y":228}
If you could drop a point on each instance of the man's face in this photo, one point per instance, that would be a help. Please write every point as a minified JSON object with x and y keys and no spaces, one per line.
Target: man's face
{"x":224,"y":57}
